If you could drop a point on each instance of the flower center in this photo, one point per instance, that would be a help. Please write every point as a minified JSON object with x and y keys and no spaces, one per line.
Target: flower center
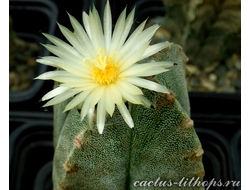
{"x":104,"y":69}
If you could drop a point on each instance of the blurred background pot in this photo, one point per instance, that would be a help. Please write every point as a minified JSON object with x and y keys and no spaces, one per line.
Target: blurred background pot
{"x":43,"y":179}
{"x":31,"y":147}
{"x":28,"y":20}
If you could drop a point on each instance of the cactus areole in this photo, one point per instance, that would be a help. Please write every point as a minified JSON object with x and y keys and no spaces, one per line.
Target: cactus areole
{"x":109,"y":79}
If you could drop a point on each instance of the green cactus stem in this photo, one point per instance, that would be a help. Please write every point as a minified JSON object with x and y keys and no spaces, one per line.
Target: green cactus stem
{"x":163,"y":143}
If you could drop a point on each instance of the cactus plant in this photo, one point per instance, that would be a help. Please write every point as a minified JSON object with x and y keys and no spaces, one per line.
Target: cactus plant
{"x":106,"y":72}
{"x":210,"y":33}
{"x":164,"y":143}
{"x":207,"y":30}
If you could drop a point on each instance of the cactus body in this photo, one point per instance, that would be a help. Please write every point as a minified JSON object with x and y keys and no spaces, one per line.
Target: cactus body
{"x":164,"y":143}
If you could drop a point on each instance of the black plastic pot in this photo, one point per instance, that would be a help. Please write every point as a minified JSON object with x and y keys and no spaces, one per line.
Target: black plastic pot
{"x":31,"y":147}
{"x":31,"y":18}
{"x":220,"y":116}
{"x":148,"y":9}
{"x":217,"y":156}
{"x":218,"y":112}
{"x":44,"y":178}
{"x":18,"y":119}
{"x":236,"y":154}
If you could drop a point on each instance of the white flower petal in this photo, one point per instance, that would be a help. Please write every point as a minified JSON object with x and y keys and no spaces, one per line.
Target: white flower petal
{"x":145,"y":101}
{"x":150,"y":31}
{"x":52,"y":74}
{"x":147,"y":69}
{"x":77,"y":65}
{"x":151,"y":50}
{"x":72,"y":81}
{"x":143,"y":39}
{"x":137,"y":68}
{"x":71,"y":70}
{"x":131,"y":40}
{"x":85,"y":19}
{"x":55,"y":92}
{"x":87,"y":105}
{"x":107,"y":22}
{"x":101,"y":115}
{"x":82,"y":86}
{"x":132,"y":89}
{"x":98,"y":93}
{"x":126,"y":115}
{"x":118,"y":32}
{"x":60,"y":98}
{"x":69,"y":79}
{"x":151,"y":72}
{"x":68,"y":54}
{"x":96,"y":30}
{"x":58,"y":42}
{"x":147,"y":84}
{"x":129,"y":97}
{"x":109,"y":104}
{"x":135,"y":56}
{"x":127,"y":28}
{"x":91,"y":100}
{"x":75,"y":42}
{"x":77,"y":100}
{"x":115,"y":94}
{"x":71,"y":53}
{"x":46,"y":62}
{"x":86,"y":45}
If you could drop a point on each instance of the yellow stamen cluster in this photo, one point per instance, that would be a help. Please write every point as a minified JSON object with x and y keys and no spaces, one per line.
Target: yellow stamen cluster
{"x":104,"y":69}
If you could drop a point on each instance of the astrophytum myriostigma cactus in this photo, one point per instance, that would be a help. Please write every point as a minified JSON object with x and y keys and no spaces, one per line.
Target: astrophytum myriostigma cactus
{"x":162,"y":145}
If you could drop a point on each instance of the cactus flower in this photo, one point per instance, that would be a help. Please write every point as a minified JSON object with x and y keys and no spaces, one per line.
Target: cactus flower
{"x":99,"y":69}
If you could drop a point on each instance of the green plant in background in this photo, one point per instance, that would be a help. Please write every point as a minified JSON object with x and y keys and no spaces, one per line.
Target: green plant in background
{"x":12,"y":36}
{"x":22,"y":61}
{"x":163,"y":142}
{"x":210,"y":33}
{"x":208,"y":30}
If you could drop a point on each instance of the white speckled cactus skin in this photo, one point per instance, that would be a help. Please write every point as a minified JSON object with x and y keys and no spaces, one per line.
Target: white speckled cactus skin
{"x":164,"y":143}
